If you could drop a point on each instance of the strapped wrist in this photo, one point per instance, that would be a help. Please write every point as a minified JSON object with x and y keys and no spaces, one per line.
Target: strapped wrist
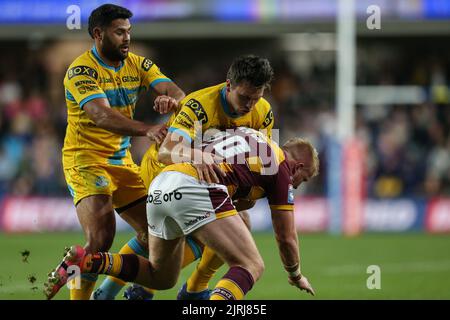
{"x":293,"y":271}
{"x":295,"y":274}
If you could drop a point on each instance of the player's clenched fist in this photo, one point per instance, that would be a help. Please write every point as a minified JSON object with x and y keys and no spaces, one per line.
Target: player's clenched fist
{"x":302,"y":283}
{"x":165,"y":104}
{"x":157,"y":132}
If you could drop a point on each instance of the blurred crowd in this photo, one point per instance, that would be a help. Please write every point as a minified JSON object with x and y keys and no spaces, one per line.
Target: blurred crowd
{"x":408,"y":146}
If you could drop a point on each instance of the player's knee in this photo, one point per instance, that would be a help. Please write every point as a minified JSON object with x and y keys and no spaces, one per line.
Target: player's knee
{"x":258,"y":268}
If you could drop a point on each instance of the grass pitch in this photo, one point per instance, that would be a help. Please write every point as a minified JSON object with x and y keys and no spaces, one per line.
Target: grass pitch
{"x":413,"y":266}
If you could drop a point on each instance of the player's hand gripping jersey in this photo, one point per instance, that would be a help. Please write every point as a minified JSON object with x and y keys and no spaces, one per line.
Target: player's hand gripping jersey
{"x":255,"y":167}
{"x":87,"y":78}
{"x":210,"y":109}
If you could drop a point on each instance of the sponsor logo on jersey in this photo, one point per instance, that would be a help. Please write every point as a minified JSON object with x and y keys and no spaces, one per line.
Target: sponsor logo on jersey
{"x":87,"y":88}
{"x":183,"y":123}
{"x":146,"y":64}
{"x":157,"y":197}
{"x":186,"y":116}
{"x":197,"y":108}
{"x":84,"y":82}
{"x":105,"y":80}
{"x":197,"y":219}
{"x":82,"y":71}
{"x":101,"y":182}
{"x":268,"y":120}
{"x":130,"y":79}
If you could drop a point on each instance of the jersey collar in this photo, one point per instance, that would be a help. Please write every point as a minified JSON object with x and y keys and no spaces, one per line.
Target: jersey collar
{"x":102,"y":63}
{"x":225,"y":105}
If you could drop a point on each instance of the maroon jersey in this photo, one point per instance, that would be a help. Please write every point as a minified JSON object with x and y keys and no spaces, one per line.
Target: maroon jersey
{"x":255,"y":166}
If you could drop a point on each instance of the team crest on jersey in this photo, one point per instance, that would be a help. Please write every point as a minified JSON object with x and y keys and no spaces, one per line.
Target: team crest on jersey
{"x":197,"y":108}
{"x":290,"y":198}
{"x":146,"y":64}
{"x":268,"y":120}
{"x":101,"y":182}
{"x":82,"y":71}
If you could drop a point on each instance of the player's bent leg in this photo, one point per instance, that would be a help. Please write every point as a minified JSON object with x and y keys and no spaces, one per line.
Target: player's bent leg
{"x":232,"y":241}
{"x":161,"y":273}
{"x":197,"y":284}
{"x":111,"y":286}
{"x":246,"y":218}
{"x":192,"y":251}
{"x":135,"y":215}
{"x":96,"y":216}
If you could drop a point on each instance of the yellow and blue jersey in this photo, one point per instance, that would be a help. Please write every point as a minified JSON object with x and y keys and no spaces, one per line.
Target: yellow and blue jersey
{"x":87,"y":78}
{"x":209,"y":108}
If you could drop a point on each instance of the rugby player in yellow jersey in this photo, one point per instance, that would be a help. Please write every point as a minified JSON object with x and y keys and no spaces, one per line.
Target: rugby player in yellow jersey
{"x":101,"y":88}
{"x":179,"y":204}
{"x":237,"y":102}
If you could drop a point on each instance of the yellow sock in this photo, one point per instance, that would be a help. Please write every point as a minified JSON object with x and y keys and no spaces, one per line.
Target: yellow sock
{"x":87,"y":284}
{"x":234,"y":285}
{"x":227,"y":290}
{"x":192,"y":251}
{"x":206,"y":268}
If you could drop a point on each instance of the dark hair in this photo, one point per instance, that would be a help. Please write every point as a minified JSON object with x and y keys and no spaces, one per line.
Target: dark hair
{"x":105,"y":14}
{"x":252,"y":69}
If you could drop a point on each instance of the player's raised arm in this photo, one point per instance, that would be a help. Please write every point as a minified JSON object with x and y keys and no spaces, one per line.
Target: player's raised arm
{"x":99,"y":111}
{"x":169,"y":94}
{"x":286,"y":236}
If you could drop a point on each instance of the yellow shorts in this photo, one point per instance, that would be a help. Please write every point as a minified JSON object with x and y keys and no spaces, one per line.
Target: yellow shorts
{"x":123,"y":183}
{"x":150,"y":167}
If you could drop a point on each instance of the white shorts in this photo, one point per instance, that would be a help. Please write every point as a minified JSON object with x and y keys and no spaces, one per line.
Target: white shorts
{"x":178,"y":204}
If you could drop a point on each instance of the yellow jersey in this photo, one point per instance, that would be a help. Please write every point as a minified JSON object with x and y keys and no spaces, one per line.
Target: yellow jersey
{"x":87,"y":78}
{"x":209,"y":108}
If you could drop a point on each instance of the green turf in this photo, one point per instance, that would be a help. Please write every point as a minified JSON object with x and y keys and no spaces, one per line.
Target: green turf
{"x":413,"y":266}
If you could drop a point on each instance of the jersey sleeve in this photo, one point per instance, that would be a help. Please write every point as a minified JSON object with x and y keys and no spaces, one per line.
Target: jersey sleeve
{"x":267,"y":123}
{"x":280,"y":195}
{"x":81,"y":84}
{"x":190,"y":114}
{"x":150,"y":73}
{"x":183,"y":123}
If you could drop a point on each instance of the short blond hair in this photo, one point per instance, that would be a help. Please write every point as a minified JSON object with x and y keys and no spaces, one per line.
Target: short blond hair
{"x":297,"y":146}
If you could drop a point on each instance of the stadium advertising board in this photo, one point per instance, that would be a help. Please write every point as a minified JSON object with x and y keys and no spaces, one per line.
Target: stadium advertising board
{"x":437,"y":218}
{"x":37,"y":214}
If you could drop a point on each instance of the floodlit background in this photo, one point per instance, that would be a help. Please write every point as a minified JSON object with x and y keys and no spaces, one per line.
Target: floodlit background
{"x":370,"y":90}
